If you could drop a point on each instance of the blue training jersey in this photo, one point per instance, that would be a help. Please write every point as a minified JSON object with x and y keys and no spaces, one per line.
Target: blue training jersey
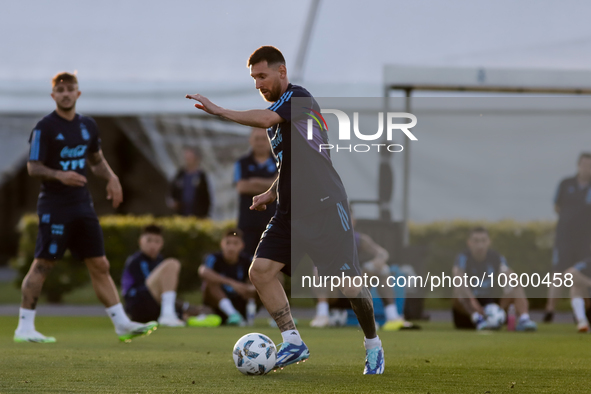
{"x":305,"y":174}
{"x":64,"y":145}
{"x":137,"y":268}
{"x":494,"y":263}
{"x":237,"y":271}
{"x":574,"y":218}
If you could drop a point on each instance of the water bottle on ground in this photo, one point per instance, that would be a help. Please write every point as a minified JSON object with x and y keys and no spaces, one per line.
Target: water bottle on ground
{"x":251,"y":311}
{"x":511,"y":318}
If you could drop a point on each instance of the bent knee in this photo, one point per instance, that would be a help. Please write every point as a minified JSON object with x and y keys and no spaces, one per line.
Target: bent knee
{"x":98,"y":265}
{"x":263,"y":270}
{"x":45,"y":263}
{"x":352,"y":292}
{"x":42,"y":266}
{"x":172,"y":264}
{"x":573,"y":271}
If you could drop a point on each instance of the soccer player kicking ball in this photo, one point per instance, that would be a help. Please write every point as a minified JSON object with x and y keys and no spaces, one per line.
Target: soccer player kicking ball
{"x":321,"y":226}
{"x":62,"y":143}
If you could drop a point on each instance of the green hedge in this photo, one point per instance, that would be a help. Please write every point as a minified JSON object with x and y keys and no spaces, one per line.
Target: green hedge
{"x":187,"y":239}
{"x":527,"y":247}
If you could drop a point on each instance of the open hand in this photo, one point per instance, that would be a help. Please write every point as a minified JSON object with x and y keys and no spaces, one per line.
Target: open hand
{"x":114,"y":191}
{"x":204,"y":104}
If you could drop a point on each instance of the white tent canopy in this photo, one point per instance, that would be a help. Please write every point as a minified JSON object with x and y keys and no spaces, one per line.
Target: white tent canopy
{"x":140,"y":58}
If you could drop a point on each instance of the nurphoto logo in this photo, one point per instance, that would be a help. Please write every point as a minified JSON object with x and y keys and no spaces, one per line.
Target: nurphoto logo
{"x":344,"y":132}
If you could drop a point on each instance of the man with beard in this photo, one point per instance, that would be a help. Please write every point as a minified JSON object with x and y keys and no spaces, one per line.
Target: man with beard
{"x":320,"y":226}
{"x":62,"y":144}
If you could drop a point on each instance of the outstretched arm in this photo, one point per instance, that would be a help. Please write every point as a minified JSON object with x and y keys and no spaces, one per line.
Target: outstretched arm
{"x":100,"y":168}
{"x":263,"y":118}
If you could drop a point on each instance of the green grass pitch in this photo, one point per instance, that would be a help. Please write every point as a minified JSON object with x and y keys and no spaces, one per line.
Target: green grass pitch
{"x":89,"y":359}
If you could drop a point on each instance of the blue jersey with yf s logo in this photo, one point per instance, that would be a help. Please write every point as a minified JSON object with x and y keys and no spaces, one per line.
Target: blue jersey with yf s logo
{"x":308,"y":182}
{"x":64,"y":145}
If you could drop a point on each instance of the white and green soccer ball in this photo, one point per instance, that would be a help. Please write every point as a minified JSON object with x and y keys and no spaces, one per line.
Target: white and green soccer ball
{"x":495,"y":315}
{"x":255,"y":354}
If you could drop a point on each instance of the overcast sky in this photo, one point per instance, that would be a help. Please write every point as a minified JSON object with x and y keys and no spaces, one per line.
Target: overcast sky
{"x":152,"y":40}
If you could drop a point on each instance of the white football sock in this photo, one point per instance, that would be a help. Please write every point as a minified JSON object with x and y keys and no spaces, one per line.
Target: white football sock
{"x":391,"y":312}
{"x":26,"y":320}
{"x":475,"y":317}
{"x":371,"y":343}
{"x":118,"y":316}
{"x":524,"y":317}
{"x":578,"y":305}
{"x":226,"y":306}
{"x":322,"y":308}
{"x":168,"y":298}
{"x":292,"y":336}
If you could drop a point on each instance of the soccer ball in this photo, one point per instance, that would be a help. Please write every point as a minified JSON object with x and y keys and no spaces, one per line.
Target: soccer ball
{"x":495,"y":314}
{"x":255,"y":354}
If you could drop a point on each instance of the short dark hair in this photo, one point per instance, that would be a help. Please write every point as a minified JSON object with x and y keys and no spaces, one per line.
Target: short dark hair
{"x":234,"y":232}
{"x":63,"y":76}
{"x":195,"y":150}
{"x":272,"y":55}
{"x":152,"y":229}
{"x":477,"y":230}
{"x":584,"y":155}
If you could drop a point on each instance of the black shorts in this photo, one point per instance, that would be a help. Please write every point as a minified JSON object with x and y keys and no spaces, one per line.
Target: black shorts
{"x":252,"y":237}
{"x":567,"y":254}
{"x":141,"y":307}
{"x":327,"y":237}
{"x":464,"y":320}
{"x":75,"y":228}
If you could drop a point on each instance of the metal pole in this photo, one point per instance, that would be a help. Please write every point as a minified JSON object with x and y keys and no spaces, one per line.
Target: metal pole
{"x":406,"y":178}
{"x":385,"y":173}
{"x":298,"y":69}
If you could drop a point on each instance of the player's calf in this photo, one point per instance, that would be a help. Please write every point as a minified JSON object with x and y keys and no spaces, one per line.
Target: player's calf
{"x":33,"y":282}
{"x":104,"y":287}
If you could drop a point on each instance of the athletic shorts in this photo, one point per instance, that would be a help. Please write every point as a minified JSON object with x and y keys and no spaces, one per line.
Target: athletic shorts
{"x":566,"y":254}
{"x":75,"y":228}
{"x":464,"y":320}
{"x":251,"y":238}
{"x":326,"y":237}
{"x":141,"y":307}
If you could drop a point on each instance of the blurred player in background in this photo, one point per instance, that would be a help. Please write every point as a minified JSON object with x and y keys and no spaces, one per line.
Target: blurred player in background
{"x":191,"y":190}
{"x":572,"y":203}
{"x":321,"y":227}
{"x":149,"y":284}
{"x":376,"y":264}
{"x":63,"y":145}
{"x":254,"y":174}
{"x":579,"y":292}
{"x":226,"y":288}
{"x":468,"y":303}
